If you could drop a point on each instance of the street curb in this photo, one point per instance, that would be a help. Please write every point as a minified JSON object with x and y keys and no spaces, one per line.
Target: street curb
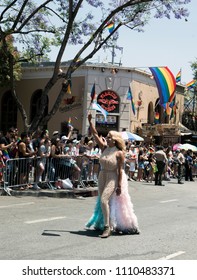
{"x":85,"y":192}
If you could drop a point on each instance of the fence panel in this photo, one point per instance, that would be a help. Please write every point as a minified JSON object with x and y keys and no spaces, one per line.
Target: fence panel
{"x":21,"y":173}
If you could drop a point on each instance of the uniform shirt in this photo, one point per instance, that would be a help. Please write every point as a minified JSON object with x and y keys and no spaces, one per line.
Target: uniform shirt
{"x":180,"y":158}
{"x":160,"y":156}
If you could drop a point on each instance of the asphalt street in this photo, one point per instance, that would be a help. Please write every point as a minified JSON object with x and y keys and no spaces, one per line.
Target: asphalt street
{"x":46,"y":228}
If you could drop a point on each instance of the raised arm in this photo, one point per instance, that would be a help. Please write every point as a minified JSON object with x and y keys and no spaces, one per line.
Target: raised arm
{"x":99,"y":140}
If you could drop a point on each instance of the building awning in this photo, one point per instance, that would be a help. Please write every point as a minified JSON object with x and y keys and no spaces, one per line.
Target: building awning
{"x":184,"y":130}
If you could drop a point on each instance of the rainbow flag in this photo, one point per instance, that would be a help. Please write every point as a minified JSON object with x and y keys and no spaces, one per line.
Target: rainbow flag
{"x":173,"y":102}
{"x":156,"y":117}
{"x":5,"y":154}
{"x":110,"y":26}
{"x":166,"y":107}
{"x":130,"y":97}
{"x":166,"y":83}
{"x":178,"y":77}
{"x":93,"y":93}
{"x":191,"y":84}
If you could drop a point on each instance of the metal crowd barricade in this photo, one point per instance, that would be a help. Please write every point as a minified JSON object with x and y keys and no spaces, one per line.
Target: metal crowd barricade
{"x":19,"y":172}
{"x":23,"y":172}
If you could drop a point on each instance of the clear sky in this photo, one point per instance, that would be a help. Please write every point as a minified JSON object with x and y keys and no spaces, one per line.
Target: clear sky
{"x":164,"y":42}
{"x":171,"y":43}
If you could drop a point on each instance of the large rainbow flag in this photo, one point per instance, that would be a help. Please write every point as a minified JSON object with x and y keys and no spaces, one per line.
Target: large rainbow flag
{"x":166,"y":83}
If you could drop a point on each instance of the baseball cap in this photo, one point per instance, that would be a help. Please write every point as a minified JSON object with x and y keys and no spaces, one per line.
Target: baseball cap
{"x":55,"y":132}
{"x":75,"y":141}
{"x":64,"y":138}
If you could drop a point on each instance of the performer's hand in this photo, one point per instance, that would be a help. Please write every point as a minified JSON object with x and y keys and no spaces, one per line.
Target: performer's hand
{"x":118,"y":191}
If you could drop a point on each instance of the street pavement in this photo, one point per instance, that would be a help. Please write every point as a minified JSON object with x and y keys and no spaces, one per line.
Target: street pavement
{"x":53,"y":228}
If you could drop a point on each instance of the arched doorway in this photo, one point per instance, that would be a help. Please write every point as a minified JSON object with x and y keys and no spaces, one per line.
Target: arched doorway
{"x":8,"y":111}
{"x":160,"y":110}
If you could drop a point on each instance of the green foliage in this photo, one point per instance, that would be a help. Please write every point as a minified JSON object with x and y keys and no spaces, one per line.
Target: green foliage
{"x":194,"y":69}
{"x":9,"y":61}
{"x":35,"y":26}
{"x":37,"y":49}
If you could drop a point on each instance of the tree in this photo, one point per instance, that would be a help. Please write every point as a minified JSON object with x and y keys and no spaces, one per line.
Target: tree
{"x":194,"y":69}
{"x":61,"y":22}
{"x":190,"y":112}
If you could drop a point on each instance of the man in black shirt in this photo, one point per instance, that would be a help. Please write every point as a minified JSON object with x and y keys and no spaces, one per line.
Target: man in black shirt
{"x":7,"y":143}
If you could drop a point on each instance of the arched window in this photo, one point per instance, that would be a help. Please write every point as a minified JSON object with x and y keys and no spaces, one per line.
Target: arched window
{"x":35,"y":104}
{"x":150,"y":113}
{"x":8,"y":111}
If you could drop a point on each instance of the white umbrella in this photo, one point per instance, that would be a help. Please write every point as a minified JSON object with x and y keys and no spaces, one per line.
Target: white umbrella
{"x":126,"y":135}
{"x":189,"y":147}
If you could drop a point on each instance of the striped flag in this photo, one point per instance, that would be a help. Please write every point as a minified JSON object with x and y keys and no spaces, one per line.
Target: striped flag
{"x":93,"y":93}
{"x":166,"y":107}
{"x":178,"y":77}
{"x":130,"y":97}
{"x":156,"y":117}
{"x":97,"y":107}
{"x":191,"y":84}
{"x":110,"y":26}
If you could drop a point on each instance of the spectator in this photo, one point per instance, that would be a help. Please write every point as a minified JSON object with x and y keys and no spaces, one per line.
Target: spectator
{"x":151,"y":162}
{"x":24,"y":155}
{"x":2,"y":166}
{"x":188,"y":165}
{"x":161,"y":163}
{"x":44,"y":152}
{"x":7,"y":146}
{"x":141,"y":159}
{"x":8,"y":143}
{"x":132,"y":160}
{"x":181,"y":162}
{"x":58,"y":159}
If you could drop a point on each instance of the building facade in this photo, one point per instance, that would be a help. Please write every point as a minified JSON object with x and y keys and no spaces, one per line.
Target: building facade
{"x":111,"y":86}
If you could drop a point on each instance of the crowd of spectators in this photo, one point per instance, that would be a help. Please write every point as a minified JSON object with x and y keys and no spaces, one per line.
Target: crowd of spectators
{"x":156,"y":163}
{"x":78,"y":159}
{"x":57,"y":156}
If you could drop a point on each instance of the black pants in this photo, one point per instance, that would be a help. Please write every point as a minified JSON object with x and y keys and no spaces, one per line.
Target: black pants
{"x":188,"y":173}
{"x":159,"y":173}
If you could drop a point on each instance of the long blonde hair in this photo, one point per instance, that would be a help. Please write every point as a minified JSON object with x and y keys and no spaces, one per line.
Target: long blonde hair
{"x":119,"y":141}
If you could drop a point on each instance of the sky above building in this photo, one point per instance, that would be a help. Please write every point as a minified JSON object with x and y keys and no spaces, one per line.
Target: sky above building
{"x":164,"y":42}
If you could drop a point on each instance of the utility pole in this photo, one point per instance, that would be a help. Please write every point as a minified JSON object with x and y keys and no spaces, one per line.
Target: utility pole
{"x":113,"y":47}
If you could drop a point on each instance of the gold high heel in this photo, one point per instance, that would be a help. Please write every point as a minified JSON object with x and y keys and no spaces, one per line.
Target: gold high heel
{"x":106,"y":233}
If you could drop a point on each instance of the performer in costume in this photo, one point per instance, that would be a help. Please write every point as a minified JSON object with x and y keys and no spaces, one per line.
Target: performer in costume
{"x":114,"y":208}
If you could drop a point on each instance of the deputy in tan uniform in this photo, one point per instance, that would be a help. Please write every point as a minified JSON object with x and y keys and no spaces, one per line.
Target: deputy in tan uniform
{"x":161,"y":162}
